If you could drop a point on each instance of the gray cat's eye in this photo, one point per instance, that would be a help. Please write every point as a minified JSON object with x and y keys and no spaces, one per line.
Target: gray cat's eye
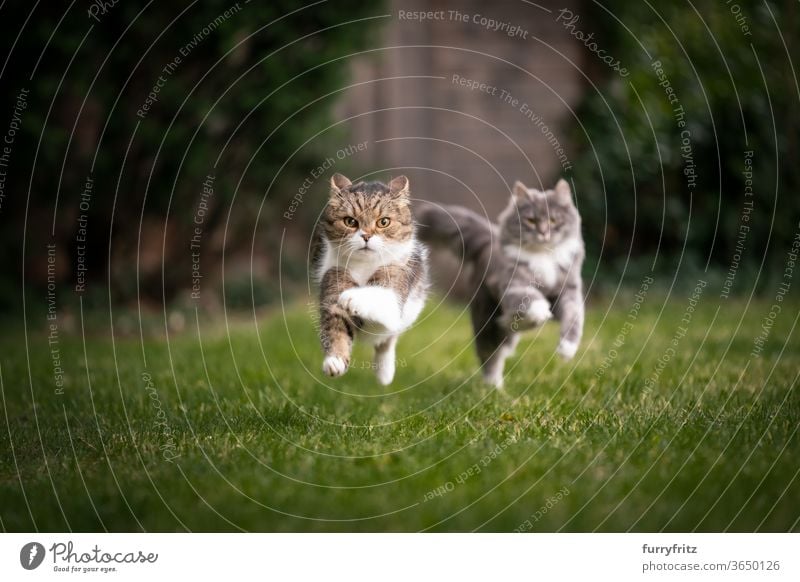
{"x":384,"y":222}
{"x":350,"y":221}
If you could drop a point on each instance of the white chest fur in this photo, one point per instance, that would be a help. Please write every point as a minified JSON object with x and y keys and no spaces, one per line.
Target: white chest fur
{"x":546,"y":264}
{"x":362,"y":265}
{"x":362,"y":269}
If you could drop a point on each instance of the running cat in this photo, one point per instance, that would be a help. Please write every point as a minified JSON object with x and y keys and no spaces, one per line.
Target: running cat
{"x":372,"y":270}
{"x":525,"y":269}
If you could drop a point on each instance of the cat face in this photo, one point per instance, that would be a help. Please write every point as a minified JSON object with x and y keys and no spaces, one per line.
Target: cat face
{"x":367,"y":220}
{"x":536,"y":219}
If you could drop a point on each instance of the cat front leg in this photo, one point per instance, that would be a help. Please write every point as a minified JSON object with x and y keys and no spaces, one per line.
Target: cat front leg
{"x":373,"y":304}
{"x":336,"y":330}
{"x":384,"y":296}
{"x":569,"y":310}
{"x":525,"y":307}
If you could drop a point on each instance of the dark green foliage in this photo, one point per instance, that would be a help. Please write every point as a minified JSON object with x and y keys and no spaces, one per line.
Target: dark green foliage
{"x":245,"y":83}
{"x":739,"y":93}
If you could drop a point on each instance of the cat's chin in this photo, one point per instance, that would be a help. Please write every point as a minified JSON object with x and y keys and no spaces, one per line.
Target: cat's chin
{"x":362,"y":252}
{"x":366,"y":257}
{"x":538,"y":247}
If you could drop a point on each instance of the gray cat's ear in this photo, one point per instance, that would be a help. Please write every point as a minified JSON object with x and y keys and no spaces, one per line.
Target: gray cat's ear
{"x":519,"y":191}
{"x":399,"y":186}
{"x":339,"y":183}
{"x":563,"y":191}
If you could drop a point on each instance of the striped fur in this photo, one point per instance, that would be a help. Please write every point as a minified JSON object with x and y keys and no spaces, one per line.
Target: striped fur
{"x":372,"y":270}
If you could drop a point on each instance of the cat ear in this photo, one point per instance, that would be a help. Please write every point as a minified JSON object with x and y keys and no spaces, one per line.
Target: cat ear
{"x":519,"y":191}
{"x":563,"y":192}
{"x":399,"y":186}
{"x":339,"y":183}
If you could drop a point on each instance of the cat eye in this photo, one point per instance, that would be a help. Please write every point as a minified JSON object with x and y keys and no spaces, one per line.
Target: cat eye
{"x":350,"y":221}
{"x":553,"y":221}
{"x":531,"y":220}
{"x":384,"y":222}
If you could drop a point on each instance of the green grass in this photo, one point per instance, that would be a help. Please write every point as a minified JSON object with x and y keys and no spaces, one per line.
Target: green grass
{"x":265,"y":443}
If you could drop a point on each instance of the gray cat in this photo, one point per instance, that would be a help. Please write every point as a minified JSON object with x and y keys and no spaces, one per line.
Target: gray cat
{"x":525,"y":270}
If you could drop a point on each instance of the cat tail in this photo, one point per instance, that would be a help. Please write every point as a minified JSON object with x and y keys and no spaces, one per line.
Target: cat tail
{"x":465,"y":233}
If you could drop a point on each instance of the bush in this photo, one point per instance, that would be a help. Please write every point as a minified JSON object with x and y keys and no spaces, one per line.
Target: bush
{"x":640,"y":192}
{"x":218,"y":102}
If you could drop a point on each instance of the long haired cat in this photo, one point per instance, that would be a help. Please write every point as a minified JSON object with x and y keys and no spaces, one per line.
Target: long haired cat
{"x":372,"y":270}
{"x":525,"y":269}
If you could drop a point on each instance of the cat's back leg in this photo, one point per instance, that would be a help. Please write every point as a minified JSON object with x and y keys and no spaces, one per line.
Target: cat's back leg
{"x":385,"y":360}
{"x":494,"y":342}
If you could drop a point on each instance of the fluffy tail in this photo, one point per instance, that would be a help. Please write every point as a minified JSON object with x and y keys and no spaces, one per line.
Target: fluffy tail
{"x":462,"y":231}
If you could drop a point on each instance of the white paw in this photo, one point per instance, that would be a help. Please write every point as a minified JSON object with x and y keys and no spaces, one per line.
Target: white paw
{"x":374,"y":304}
{"x":385,"y":371}
{"x":567,"y":349}
{"x":352,"y":302}
{"x":538,"y":312}
{"x":334,"y":366}
{"x":494,"y":379}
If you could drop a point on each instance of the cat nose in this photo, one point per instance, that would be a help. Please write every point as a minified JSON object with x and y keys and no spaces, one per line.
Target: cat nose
{"x":366,"y":236}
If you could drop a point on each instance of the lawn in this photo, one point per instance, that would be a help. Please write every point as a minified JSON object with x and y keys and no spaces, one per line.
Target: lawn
{"x":674,"y":427}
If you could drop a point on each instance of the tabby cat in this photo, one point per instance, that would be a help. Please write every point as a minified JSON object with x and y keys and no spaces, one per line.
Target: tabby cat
{"x":372,"y":270}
